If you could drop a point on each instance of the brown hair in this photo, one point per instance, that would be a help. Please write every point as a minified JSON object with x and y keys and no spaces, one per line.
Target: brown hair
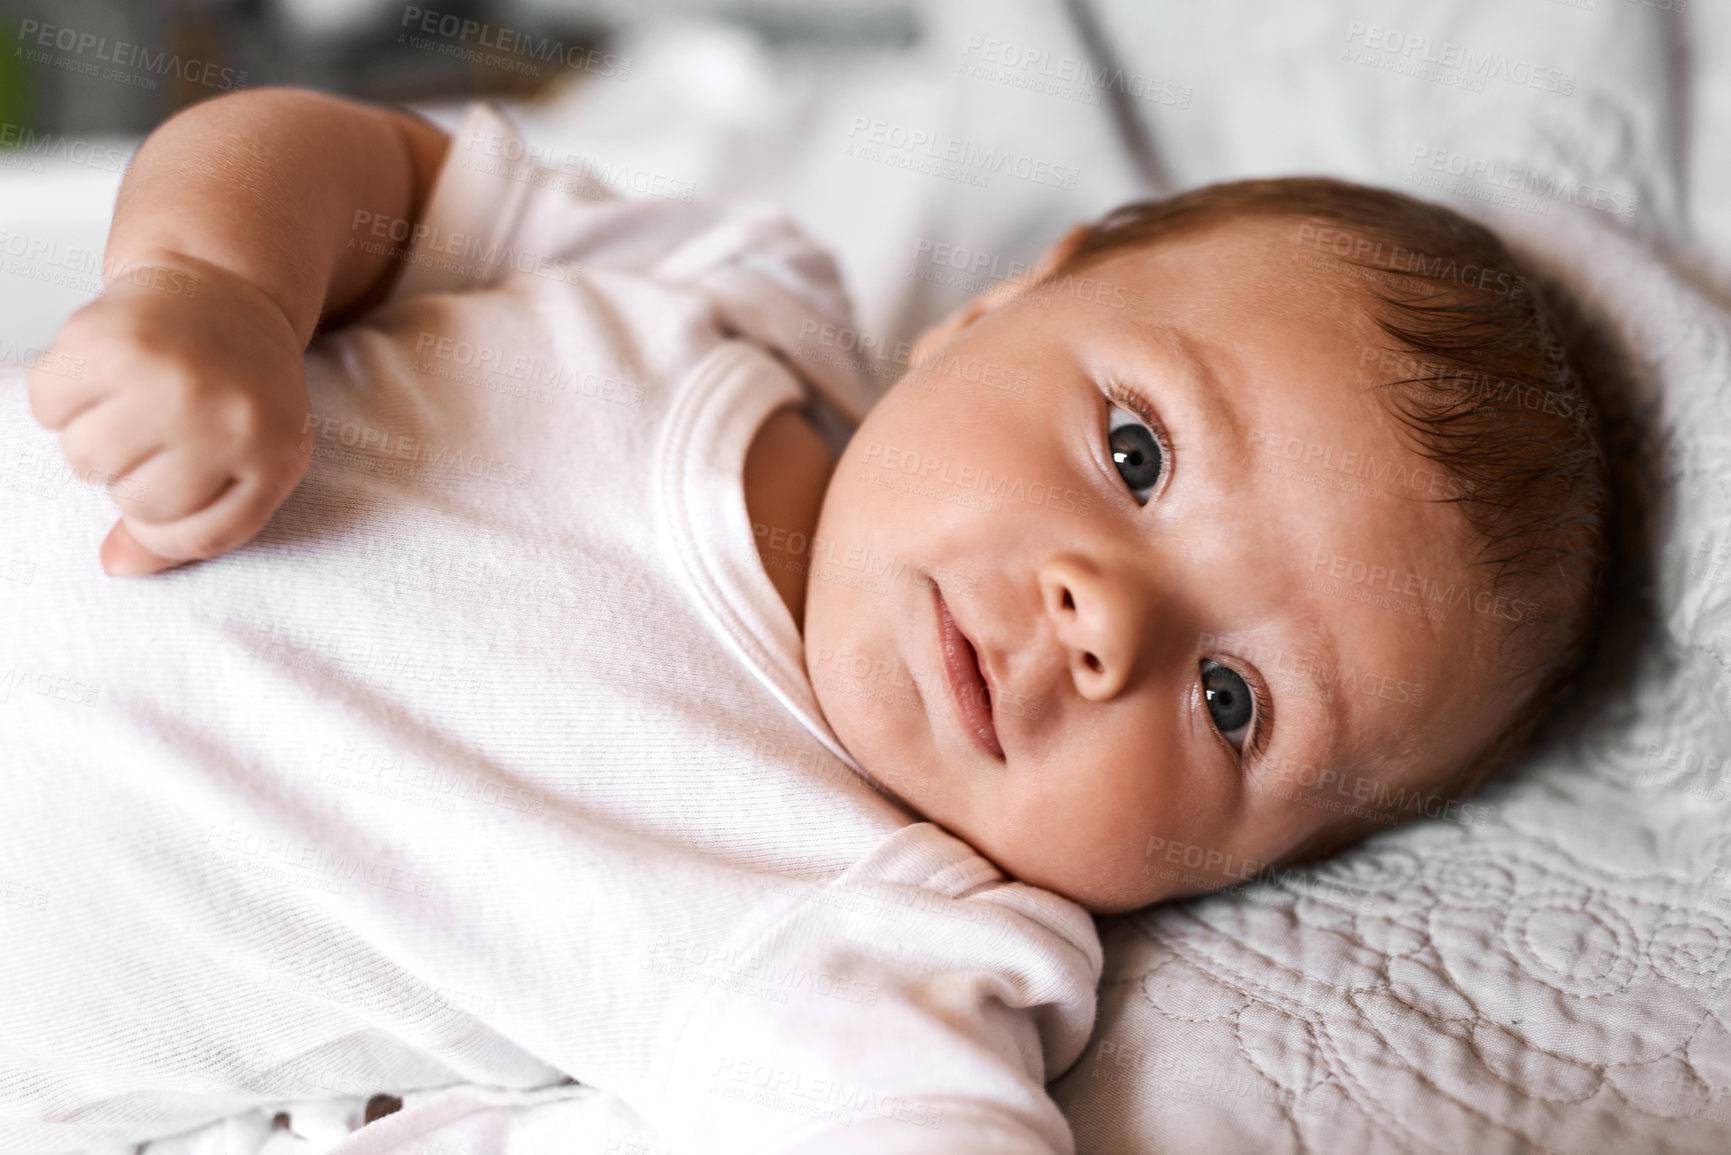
{"x":1487,"y":387}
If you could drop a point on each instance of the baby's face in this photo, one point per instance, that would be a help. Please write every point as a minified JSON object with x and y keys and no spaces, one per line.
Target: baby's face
{"x":1133,"y":655}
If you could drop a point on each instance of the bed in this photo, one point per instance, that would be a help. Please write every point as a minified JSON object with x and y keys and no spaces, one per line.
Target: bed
{"x":1551,"y":974}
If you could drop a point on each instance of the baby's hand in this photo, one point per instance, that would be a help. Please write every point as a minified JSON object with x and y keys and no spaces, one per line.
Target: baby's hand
{"x":191,"y":409}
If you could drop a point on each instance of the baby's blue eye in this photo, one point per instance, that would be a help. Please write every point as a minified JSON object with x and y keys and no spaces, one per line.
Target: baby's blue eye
{"x":1135,"y":452}
{"x":1230,"y":702}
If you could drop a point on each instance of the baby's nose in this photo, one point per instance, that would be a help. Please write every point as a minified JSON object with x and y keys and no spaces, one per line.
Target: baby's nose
{"x":1098,"y":622}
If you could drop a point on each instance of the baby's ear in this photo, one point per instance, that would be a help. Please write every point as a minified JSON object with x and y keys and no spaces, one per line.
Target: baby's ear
{"x":939,"y":334}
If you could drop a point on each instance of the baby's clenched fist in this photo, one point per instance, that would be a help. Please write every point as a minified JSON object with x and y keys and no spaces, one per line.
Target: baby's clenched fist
{"x":191,"y":409}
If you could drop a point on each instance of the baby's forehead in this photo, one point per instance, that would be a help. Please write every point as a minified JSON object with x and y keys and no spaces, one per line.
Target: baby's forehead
{"x":1273,"y":258}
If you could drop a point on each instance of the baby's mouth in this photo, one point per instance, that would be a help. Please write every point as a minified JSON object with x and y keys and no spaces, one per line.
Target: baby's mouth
{"x":968,"y":690}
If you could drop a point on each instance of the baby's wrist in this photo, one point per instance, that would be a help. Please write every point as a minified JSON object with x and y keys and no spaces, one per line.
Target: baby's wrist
{"x":162,"y":270}
{"x":180,"y":274}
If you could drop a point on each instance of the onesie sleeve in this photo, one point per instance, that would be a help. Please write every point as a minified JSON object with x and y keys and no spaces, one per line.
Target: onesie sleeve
{"x":918,"y":1004}
{"x":502,"y":207}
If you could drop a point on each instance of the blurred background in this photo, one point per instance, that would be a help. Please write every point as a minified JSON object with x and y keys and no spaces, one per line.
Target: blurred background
{"x":936,"y":146}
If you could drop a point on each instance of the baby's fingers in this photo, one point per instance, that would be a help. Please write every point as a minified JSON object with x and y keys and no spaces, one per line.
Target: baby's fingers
{"x":239,"y":510}
{"x":122,"y":556}
{"x":57,"y":396}
{"x":172,"y":485}
{"x":78,"y":370}
{"x":110,"y":440}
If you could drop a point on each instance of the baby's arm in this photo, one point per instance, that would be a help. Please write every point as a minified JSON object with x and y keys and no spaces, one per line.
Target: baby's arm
{"x":230,"y":244}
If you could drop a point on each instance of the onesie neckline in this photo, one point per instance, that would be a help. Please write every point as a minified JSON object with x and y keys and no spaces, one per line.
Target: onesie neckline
{"x":699,"y":497}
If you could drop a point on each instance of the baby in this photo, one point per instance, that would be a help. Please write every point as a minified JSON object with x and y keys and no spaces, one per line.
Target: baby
{"x":1253,"y":521}
{"x":1310,"y":541}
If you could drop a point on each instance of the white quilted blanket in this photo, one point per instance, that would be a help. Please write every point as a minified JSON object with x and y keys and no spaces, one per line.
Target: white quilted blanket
{"x":1552,"y":977}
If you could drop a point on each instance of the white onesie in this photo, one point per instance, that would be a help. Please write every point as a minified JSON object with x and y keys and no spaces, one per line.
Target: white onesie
{"x":493,"y":759}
